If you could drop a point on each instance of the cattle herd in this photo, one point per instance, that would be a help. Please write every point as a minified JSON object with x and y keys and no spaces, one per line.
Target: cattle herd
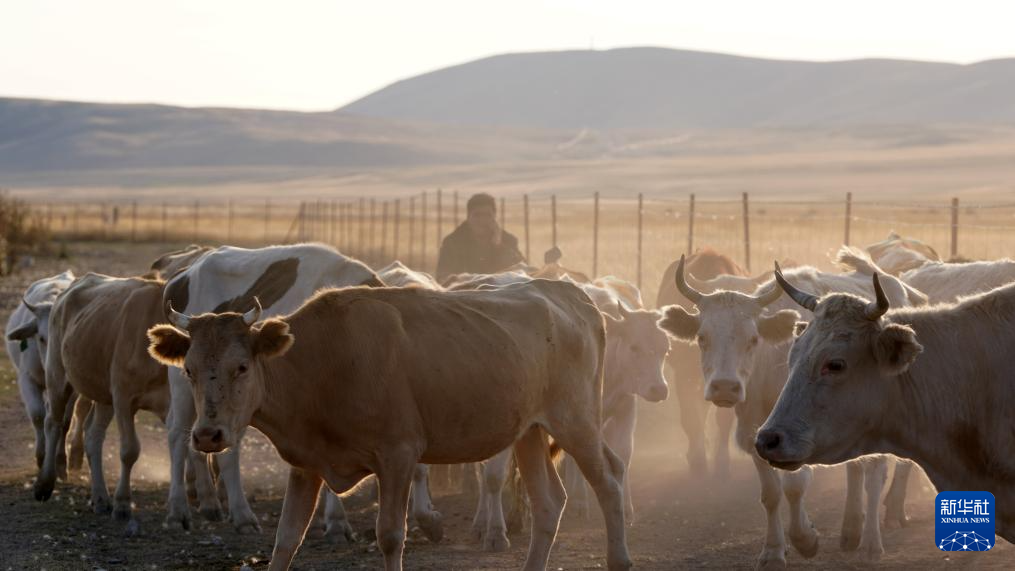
{"x":899,"y":359}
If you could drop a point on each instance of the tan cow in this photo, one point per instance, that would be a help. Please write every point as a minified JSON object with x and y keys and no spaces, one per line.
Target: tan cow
{"x":98,"y":348}
{"x":373,"y":380}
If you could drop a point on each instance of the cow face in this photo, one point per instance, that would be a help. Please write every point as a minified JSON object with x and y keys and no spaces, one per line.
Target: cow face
{"x":35,"y":330}
{"x":636,"y":351}
{"x":728,"y":329}
{"x":839,"y":371}
{"x":222,"y":356}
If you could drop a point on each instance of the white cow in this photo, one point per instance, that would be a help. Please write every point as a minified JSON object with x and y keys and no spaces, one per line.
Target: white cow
{"x":932,"y":384}
{"x":633,"y":367}
{"x":397,"y":274}
{"x":946,"y":282}
{"x":744,"y":341}
{"x":27,"y":336}
{"x":282,"y":278}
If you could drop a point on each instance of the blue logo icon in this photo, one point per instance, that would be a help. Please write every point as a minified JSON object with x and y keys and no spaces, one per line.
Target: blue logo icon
{"x":964,"y":521}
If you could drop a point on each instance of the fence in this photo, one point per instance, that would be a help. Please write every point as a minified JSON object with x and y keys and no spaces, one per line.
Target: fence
{"x":634,"y":239}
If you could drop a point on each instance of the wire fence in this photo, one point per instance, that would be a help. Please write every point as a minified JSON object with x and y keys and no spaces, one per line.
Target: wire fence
{"x":632,"y":238}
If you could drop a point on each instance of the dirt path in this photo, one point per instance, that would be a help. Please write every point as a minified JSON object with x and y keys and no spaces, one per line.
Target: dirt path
{"x":681,"y":524}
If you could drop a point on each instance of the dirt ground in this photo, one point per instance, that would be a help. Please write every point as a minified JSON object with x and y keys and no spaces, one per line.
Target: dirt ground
{"x":681,"y":523}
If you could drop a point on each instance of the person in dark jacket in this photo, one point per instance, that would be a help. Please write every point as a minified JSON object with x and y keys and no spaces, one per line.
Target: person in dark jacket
{"x":479,"y":245}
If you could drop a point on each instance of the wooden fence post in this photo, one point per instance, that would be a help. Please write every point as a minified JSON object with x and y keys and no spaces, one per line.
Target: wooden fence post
{"x":553,"y":216}
{"x":373,"y":223}
{"x":267,"y":219}
{"x":398,"y":221}
{"x":74,"y":224}
{"x":440,"y":220}
{"x":525,"y":205}
{"x":955,"y":227}
{"x":384,"y":229}
{"x":641,"y":211}
{"x":690,"y":227}
{"x":361,"y":243}
{"x":422,"y":227}
{"x":412,"y":232}
{"x":133,"y":221}
{"x":333,"y":223}
{"x":165,"y":220}
{"x":595,"y":235}
{"x":197,"y":218}
{"x":849,"y":216}
{"x":301,"y":222}
{"x":747,"y":234}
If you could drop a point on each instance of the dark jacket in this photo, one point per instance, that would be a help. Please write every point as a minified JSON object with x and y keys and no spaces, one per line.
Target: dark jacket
{"x":462,"y":252}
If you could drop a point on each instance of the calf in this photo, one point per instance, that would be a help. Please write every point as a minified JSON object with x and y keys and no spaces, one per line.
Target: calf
{"x":507,"y":367}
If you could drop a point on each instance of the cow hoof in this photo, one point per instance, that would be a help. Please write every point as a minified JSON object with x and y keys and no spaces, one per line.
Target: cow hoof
{"x":852,"y":528}
{"x":432,"y":526}
{"x":248,"y":528}
{"x":212,"y":514}
{"x":806,"y":544}
{"x":623,"y":565}
{"x":76,"y":460}
{"x":478,"y":531}
{"x":316,"y":530}
{"x":336,"y":532}
{"x":496,"y":543}
{"x":133,"y":528}
{"x":772,"y":559}
{"x":43,"y":493}
{"x":122,"y":512}
{"x":178,"y":519}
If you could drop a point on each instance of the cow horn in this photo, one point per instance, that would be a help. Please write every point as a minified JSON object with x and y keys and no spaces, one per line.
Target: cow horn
{"x":30,"y":307}
{"x":688,"y":291}
{"x":804,"y":299}
{"x":179,"y":320}
{"x":769,"y":297}
{"x":878,"y":307}
{"x":254,"y":314}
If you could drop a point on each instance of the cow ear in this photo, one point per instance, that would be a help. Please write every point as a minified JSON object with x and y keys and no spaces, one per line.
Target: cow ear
{"x":168,"y":345}
{"x":272,"y":338}
{"x":25,"y":331}
{"x":779,"y":326}
{"x":799,"y":328}
{"x":678,"y":323}
{"x":896,"y":348}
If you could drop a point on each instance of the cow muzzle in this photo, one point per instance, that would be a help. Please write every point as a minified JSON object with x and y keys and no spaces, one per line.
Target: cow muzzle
{"x":657,"y":392}
{"x":724,"y":392}
{"x":209,"y":439}
{"x":772,"y":445}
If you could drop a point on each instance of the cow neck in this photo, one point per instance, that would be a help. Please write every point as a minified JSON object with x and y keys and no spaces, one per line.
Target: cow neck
{"x":281,"y":409}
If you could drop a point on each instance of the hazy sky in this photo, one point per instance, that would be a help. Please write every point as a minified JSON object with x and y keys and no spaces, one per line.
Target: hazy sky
{"x":320,"y":54}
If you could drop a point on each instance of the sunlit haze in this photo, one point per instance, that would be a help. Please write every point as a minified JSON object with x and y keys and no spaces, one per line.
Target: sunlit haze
{"x":321,"y":54}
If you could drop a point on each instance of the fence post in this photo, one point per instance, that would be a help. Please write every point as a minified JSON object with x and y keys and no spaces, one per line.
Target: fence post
{"x":373,"y":224}
{"x":747,"y":234}
{"x":412,"y":231}
{"x":690,"y":227}
{"x":165,"y":220}
{"x":77,"y":208}
{"x":384,"y":229}
{"x":267,"y":218}
{"x":440,"y":219}
{"x":553,"y":216}
{"x":849,"y":215}
{"x":641,"y":211}
{"x":197,"y":218}
{"x":332,"y":223}
{"x":361,"y":243}
{"x":525,"y":205}
{"x":133,"y":221}
{"x":595,"y":235}
{"x":394,"y":242}
{"x":422,"y":228}
{"x":955,"y":227}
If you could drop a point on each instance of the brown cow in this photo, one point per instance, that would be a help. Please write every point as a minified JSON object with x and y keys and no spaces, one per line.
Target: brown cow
{"x":365,"y":381}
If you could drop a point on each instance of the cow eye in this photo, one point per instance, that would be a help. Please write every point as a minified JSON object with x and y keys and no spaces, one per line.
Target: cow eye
{"x":702,"y":341}
{"x":754,"y":340}
{"x":186,"y":371}
{"x":241,"y":369}
{"x":834,"y":366}
{"x":42,"y":339}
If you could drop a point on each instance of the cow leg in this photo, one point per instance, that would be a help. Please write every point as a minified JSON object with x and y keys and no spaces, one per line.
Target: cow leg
{"x":394,"y":480}
{"x":76,"y":446}
{"x":692,"y":420}
{"x":489,"y":524}
{"x":773,"y":554}
{"x":130,"y":449}
{"x":337,"y":523}
{"x":724,"y":420}
{"x":875,"y":473}
{"x":619,"y":434}
{"x":35,"y":406}
{"x":61,"y":452}
{"x":577,"y":489}
{"x":604,"y":471}
{"x":179,"y":422}
{"x":95,"y":436}
{"x":852,"y":517}
{"x":297,"y":510}
{"x":802,"y":533}
{"x":60,"y":395}
{"x":546,"y":495}
{"x":427,"y":518}
{"x":895,"y":500}
{"x":240,"y":514}
{"x":471,"y":478}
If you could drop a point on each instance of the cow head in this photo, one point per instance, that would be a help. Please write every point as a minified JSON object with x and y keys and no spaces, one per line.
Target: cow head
{"x":728,"y":329}
{"x":221,"y":354}
{"x":35,"y":329}
{"x":839,"y":371}
{"x":636,"y":351}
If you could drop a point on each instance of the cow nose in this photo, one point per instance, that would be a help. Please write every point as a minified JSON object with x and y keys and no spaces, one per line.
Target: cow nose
{"x":207,"y":439}
{"x":725,"y":392}
{"x":767,"y":442}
